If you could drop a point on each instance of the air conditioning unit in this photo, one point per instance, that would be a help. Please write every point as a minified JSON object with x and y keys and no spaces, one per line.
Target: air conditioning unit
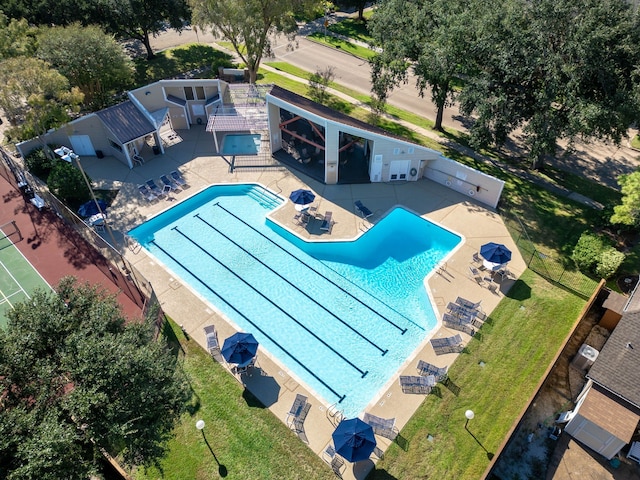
{"x":585,"y":357}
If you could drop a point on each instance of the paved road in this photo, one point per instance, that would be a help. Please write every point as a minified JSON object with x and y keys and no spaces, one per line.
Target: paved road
{"x":598,"y":161}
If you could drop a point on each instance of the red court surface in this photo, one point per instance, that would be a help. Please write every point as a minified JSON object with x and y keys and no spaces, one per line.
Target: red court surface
{"x":56,"y":250}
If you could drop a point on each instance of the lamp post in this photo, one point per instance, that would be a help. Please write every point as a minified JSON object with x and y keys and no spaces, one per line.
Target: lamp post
{"x":69,"y":155}
{"x":200,"y":426}
{"x":469,"y":414}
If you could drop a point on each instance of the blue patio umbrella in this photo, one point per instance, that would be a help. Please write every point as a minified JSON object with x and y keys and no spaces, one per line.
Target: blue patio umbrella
{"x":239,"y":348}
{"x":302,"y":197}
{"x":495,"y":253}
{"x":354,"y":440}
{"x":90,"y":208}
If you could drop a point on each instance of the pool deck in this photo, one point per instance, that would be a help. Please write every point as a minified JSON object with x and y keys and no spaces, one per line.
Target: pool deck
{"x":191,"y":154}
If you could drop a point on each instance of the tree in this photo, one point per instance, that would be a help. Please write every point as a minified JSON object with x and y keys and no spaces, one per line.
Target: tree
{"x":139,"y":19}
{"x":628,"y":212}
{"x":357,"y":4}
{"x":35,"y":97}
{"x":318,"y":83}
{"x":555,"y":68}
{"x":247,"y":24}
{"x":427,"y":37}
{"x":92,"y":60}
{"x":75,"y":378}
{"x":17,"y":38}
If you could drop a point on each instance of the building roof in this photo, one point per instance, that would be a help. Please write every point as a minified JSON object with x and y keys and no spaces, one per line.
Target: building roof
{"x":615,"y":302}
{"x":617,"y":367}
{"x":603,"y":409}
{"x":633,"y":305}
{"x":126,"y":122}
{"x":329,"y":113}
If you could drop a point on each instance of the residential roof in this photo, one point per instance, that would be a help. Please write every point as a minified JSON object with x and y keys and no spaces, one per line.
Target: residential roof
{"x":600,"y":407}
{"x":615,"y":302}
{"x":126,"y":122}
{"x":633,"y":305}
{"x":329,"y":113}
{"x":176,"y":100}
{"x":617,"y":367}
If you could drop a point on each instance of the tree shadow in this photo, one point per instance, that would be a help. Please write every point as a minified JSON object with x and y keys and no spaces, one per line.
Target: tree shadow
{"x":520,"y":291}
{"x":402,"y":442}
{"x":381,"y":474}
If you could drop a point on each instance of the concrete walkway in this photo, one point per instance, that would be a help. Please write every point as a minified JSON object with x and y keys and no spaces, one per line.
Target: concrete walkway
{"x":273,"y":383}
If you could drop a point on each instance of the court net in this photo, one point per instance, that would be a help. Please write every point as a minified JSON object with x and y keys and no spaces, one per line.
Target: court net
{"x":9,"y":234}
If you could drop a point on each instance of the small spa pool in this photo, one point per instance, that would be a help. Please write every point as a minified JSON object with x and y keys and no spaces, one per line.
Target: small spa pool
{"x":241,"y":144}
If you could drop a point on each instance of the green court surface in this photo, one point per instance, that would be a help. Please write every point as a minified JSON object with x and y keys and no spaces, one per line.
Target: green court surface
{"x":18,"y":278}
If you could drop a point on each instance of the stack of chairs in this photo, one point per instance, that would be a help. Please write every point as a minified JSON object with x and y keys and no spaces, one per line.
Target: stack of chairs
{"x":457,"y":323}
{"x":445,"y":345}
{"x":298,"y":413}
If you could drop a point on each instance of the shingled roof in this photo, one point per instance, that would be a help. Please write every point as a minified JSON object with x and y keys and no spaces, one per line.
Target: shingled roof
{"x":126,"y":122}
{"x":617,"y":367}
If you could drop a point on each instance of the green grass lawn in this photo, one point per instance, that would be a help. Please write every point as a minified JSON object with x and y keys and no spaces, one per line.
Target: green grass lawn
{"x":246,"y":438}
{"x":352,"y":28}
{"x":348,"y":47}
{"x":526,"y":330}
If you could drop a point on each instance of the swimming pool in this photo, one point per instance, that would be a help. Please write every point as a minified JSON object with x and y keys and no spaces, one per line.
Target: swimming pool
{"x":342,"y":317}
{"x":241,"y":144}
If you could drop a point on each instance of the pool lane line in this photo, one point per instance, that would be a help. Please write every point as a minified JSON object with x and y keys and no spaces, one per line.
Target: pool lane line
{"x":349,"y":362}
{"x":403,"y":330}
{"x":384,"y":351}
{"x":289,"y":354}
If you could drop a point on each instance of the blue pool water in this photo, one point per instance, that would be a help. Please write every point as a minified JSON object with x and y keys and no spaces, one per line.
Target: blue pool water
{"x":241,"y":144}
{"x":341,"y":316}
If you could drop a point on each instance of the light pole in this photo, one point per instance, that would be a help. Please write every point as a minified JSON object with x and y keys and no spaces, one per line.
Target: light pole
{"x":69,"y":155}
{"x":222,"y":470}
{"x":200,"y":426}
{"x":469,"y":414}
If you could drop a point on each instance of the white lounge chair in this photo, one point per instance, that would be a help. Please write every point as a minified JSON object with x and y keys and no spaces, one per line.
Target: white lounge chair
{"x":211,"y":336}
{"x":146,"y":193}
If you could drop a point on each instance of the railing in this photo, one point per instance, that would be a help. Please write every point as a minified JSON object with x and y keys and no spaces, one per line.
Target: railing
{"x":548,"y":266}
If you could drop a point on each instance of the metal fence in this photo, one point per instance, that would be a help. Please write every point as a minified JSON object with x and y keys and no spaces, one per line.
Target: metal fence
{"x":548,"y":266}
{"x":110,"y":260}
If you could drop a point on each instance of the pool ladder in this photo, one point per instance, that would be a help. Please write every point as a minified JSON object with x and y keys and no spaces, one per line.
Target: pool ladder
{"x":334,"y":414}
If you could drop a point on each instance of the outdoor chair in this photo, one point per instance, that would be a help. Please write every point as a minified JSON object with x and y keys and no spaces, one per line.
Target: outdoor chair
{"x":417,"y":384}
{"x":327,"y":222}
{"x":476,"y":275}
{"x":146,"y":193}
{"x":425,"y":369}
{"x":463,"y":302}
{"x":178,"y":178}
{"x":385,"y":427}
{"x":456,"y":323}
{"x":447,"y":344}
{"x":493,"y":287}
{"x":334,"y":460}
{"x":168,"y":182}
{"x":211,"y":336}
{"x":476,"y":258}
{"x":157,"y":191}
{"x":296,"y":410}
{"x":362,"y":210}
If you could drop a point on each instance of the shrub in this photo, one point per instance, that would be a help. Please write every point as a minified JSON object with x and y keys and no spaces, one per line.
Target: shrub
{"x":587,"y":251}
{"x":38,"y":164}
{"x":609,"y":262}
{"x":66,"y":182}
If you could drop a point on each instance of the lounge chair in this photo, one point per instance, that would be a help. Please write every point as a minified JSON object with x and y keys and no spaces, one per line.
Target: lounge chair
{"x":476,"y":258}
{"x":417,"y":384}
{"x":476,"y":275}
{"x":146,"y":193}
{"x":168,"y":182}
{"x":463,"y":302}
{"x":327,"y":223}
{"x":297,"y":413}
{"x":178,"y":178}
{"x":425,"y":369}
{"x":362,"y":210}
{"x":447,"y":345}
{"x":385,"y":427}
{"x":456,"y":323}
{"x":211,"y":336}
{"x":157,"y":191}
{"x":334,"y":460}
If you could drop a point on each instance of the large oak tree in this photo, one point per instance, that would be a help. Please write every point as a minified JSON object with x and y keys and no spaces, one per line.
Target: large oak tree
{"x":76,"y":378}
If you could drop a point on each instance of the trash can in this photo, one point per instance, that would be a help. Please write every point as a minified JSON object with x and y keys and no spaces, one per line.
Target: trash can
{"x":156,"y":150}
{"x":99,"y":154}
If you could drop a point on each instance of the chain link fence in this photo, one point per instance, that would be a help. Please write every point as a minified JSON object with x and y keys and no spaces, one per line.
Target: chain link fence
{"x":110,"y":260}
{"x":548,"y":266}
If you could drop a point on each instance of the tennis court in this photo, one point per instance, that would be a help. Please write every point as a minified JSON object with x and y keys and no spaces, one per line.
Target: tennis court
{"x":18,"y":278}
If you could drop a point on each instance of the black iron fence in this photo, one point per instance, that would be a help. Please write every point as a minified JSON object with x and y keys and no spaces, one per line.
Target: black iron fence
{"x":548,"y":266}
{"x":115,"y":266}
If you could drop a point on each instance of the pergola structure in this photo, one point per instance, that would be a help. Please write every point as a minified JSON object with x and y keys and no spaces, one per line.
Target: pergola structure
{"x":244,"y":109}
